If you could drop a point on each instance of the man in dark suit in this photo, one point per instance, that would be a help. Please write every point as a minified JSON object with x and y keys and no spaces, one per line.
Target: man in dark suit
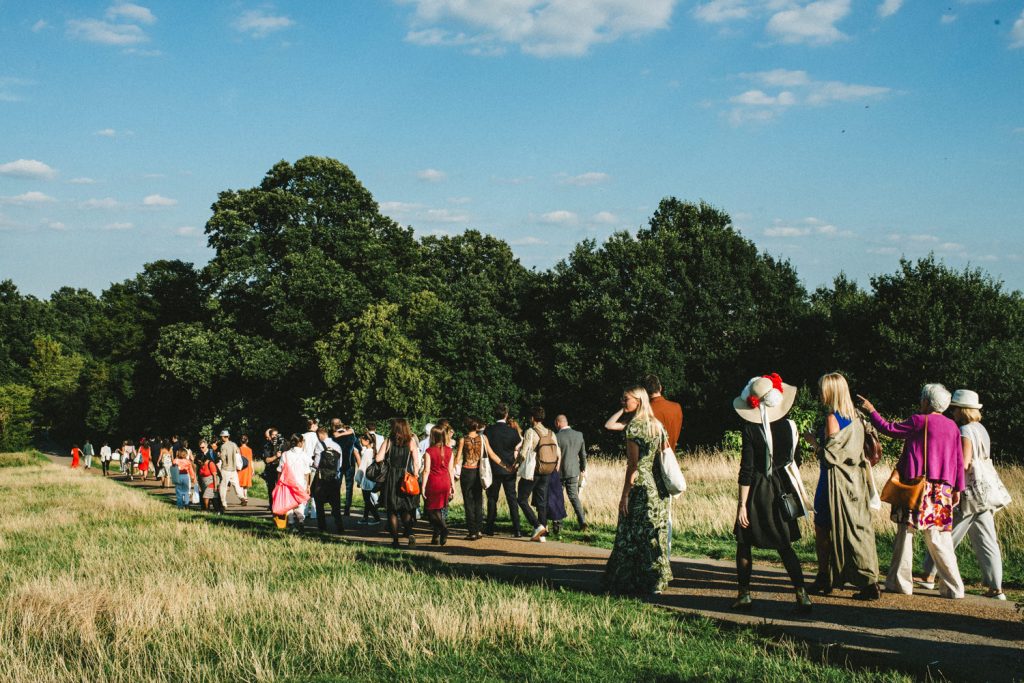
{"x":574,"y":464}
{"x":504,"y":441}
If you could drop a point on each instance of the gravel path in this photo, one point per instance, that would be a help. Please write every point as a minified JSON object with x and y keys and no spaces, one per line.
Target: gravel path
{"x":975,"y":639}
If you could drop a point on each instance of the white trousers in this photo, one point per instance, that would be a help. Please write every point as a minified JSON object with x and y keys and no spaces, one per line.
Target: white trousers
{"x":981,"y":528}
{"x":298,"y":515}
{"x":940,"y":546}
{"x":232,"y":479}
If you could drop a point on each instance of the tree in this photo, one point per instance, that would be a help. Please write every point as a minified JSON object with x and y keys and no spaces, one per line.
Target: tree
{"x":55,"y":376}
{"x":15,"y":417}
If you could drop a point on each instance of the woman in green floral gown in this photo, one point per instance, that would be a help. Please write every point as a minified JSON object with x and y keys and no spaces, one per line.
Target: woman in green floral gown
{"x":639,"y":563}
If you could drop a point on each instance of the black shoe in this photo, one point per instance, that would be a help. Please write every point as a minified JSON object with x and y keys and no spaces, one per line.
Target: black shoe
{"x":871,"y":592}
{"x":444,"y":537}
{"x":821,"y":586}
{"x":517,"y":534}
{"x":434,"y":539}
{"x":394,"y":543}
{"x":488,"y":532}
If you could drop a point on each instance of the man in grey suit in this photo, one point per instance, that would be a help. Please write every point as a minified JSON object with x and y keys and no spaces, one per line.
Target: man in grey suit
{"x":574,"y":464}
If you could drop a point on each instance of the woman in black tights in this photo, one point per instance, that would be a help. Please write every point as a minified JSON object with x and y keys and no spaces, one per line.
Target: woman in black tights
{"x":400,"y":452}
{"x":769,"y":444}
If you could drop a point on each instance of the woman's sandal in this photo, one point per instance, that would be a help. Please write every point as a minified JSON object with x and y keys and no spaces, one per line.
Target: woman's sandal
{"x":744,"y":603}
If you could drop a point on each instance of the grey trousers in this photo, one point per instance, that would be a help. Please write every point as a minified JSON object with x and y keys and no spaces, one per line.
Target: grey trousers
{"x":940,"y":546}
{"x":981,"y":527}
{"x":572,"y":489}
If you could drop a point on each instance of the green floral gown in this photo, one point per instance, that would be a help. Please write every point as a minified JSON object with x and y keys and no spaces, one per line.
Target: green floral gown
{"x":639,"y":562}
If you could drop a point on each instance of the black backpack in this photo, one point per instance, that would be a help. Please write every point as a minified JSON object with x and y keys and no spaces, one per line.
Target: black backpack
{"x":330,"y":461}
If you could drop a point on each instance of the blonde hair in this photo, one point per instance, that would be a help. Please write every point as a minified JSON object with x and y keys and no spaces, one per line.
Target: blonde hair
{"x":835,"y":394}
{"x":644,"y":412}
{"x":965,"y":416}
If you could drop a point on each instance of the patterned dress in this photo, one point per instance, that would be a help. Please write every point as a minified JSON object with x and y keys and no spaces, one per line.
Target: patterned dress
{"x":639,"y":562}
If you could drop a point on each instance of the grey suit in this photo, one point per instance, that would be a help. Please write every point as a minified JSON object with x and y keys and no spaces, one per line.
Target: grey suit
{"x":574,"y":463}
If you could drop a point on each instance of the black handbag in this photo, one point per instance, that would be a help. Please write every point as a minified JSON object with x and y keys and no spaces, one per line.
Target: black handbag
{"x":376,"y":472}
{"x":790,"y":508}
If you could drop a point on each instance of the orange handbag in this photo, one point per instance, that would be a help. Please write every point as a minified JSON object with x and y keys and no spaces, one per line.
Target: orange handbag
{"x":410,"y":484}
{"x":907,"y":495}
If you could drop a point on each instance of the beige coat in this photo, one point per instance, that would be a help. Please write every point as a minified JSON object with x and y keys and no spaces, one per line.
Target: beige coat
{"x":854,"y":556}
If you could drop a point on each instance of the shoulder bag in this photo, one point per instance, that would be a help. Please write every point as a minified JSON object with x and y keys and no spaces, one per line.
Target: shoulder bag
{"x":486,"y":475}
{"x":791,"y":503}
{"x":410,"y":484}
{"x":672,"y":478}
{"x":907,"y":494}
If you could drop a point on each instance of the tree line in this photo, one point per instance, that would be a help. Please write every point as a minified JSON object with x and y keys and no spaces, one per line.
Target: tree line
{"x":316,"y":304}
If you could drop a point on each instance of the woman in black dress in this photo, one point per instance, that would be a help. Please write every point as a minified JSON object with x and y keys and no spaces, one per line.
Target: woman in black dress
{"x":400,"y":453}
{"x":769,"y":444}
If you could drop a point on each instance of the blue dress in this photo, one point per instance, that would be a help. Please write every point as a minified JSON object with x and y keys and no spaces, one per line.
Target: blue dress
{"x":822,"y":517}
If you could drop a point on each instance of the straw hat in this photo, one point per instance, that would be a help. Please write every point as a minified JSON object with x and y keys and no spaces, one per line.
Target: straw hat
{"x":965,"y":398}
{"x":768,"y":392}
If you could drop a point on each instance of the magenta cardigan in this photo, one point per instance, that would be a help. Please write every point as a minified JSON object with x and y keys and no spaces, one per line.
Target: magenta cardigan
{"x":945,"y":450}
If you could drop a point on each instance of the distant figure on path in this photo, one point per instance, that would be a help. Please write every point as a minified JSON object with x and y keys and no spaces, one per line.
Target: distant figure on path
{"x":128,"y":460}
{"x":439,"y":483}
{"x":326,"y":486}
{"x":844,"y":535}
{"x":769,"y":445}
{"x":106,"y":455}
{"x":309,"y":444}
{"x":145,"y":459}
{"x":230,"y":463}
{"x":367,"y":485}
{"x":574,"y":465}
{"x":274,"y":447}
{"x":245,"y":474}
{"x":505,"y":440}
{"x":639,"y":563}
{"x":295,"y":471}
{"x":88,"y":452}
{"x":207,"y":466}
{"x":345,"y":437}
{"x":184,"y":477}
{"x":984,"y":495}
{"x":473,"y":448}
{"x":538,"y":443}
{"x":400,"y":452}
{"x":928,"y":434}
{"x":76,"y":453}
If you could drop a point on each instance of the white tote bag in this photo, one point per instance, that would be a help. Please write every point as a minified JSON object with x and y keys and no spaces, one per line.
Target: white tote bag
{"x":671,"y":475}
{"x":486,"y":476}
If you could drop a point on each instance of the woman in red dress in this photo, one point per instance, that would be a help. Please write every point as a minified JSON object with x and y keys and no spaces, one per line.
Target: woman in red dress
{"x":438,"y":482}
{"x":144,"y":454}
{"x":75,"y":454}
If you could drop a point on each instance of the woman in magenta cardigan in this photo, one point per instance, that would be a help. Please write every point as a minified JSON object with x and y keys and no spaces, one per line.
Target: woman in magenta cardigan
{"x":944,"y":480}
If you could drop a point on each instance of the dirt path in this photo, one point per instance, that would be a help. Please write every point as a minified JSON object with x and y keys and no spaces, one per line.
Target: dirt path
{"x":974,"y":639}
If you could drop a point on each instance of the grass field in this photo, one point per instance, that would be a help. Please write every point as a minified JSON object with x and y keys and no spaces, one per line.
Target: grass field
{"x":104,"y":583}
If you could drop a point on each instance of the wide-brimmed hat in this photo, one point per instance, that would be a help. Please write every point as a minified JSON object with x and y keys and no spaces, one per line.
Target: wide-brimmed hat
{"x":768,"y":392}
{"x":225,"y":433}
{"x":965,"y":398}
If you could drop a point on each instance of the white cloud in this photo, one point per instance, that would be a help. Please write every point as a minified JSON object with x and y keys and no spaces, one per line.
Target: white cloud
{"x":158,"y":200}
{"x":585,"y":179}
{"x":130,"y":12}
{"x":260,"y":24}
{"x":106,"y":133}
{"x":105,"y":203}
{"x":883,"y":251}
{"x":82,"y":181}
{"x":432,"y":175}
{"x":106,"y":33}
{"x":56,"y":225}
{"x":947,"y":18}
{"x":528,"y":241}
{"x":560,"y":217}
{"x":523,"y":180}
{"x":392,"y":208}
{"x":804,"y":228}
{"x":118,"y":226}
{"x":542,"y":28}
{"x":32,"y":197}
{"x":186,"y":231}
{"x":762,"y":105}
{"x":412,"y":212}
{"x":445,"y":216}
{"x":889,"y":8}
{"x":604,"y":217}
{"x":718,"y":11}
{"x":39,"y":26}
{"x":1017,"y":33}
{"x":813,"y":23}
{"x":28,"y":168}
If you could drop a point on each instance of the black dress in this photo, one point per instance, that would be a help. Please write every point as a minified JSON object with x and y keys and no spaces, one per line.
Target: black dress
{"x":399,"y":461}
{"x":767,"y":528}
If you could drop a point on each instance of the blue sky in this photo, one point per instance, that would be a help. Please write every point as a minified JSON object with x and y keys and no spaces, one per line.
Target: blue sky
{"x":840,"y":134}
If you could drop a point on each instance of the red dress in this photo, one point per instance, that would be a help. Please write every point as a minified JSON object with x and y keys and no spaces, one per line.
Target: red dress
{"x":439,"y":483}
{"x":74,"y":456}
{"x":144,"y":455}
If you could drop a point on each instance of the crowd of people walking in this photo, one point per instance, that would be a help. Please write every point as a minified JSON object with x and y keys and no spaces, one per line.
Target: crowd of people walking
{"x":943,"y":486}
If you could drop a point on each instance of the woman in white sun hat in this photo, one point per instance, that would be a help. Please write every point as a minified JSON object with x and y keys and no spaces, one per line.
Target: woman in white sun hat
{"x":770,"y":501}
{"x":984,"y":494}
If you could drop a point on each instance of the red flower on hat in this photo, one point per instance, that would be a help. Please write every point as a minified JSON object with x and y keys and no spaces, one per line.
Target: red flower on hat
{"x":776,"y":380}
{"x":753,"y":401}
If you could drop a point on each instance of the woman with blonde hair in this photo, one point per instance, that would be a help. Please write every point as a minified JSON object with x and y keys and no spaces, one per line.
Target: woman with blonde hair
{"x":984,"y":495}
{"x":639,"y":562}
{"x":844,"y":537}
